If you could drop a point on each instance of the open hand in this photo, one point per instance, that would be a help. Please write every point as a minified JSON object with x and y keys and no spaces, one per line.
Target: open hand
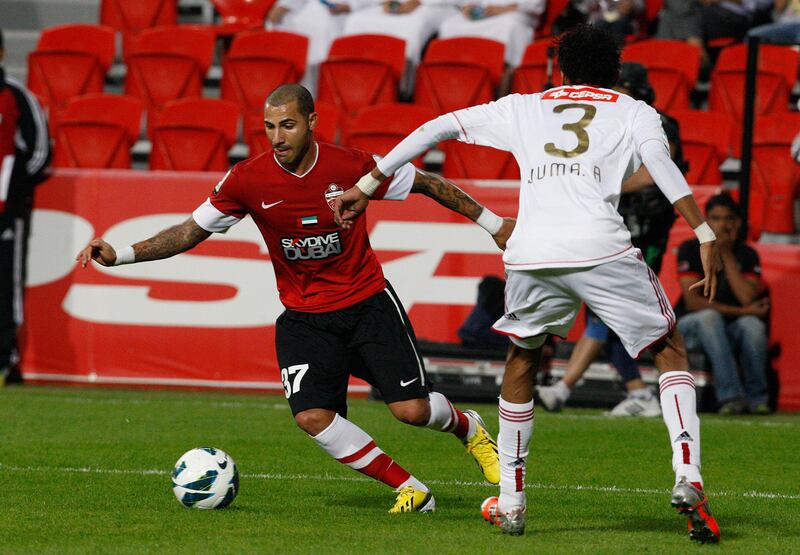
{"x":349,"y":206}
{"x":99,"y":251}
{"x":709,"y":256}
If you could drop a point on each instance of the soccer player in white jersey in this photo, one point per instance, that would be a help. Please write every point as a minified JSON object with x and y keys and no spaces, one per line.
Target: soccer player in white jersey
{"x":575,"y":145}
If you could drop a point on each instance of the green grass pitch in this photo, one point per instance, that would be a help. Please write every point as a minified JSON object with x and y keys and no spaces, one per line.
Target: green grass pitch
{"x":87,"y":471}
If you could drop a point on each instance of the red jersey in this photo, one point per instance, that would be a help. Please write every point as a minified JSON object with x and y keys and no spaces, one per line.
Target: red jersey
{"x":319,"y":266}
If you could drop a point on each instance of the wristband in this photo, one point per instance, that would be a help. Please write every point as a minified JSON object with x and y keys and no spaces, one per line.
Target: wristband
{"x":125,"y":256}
{"x":704,"y":233}
{"x":489,"y":221}
{"x":368,"y":184}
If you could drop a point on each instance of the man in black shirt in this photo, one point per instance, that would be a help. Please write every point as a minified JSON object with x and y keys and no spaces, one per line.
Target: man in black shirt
{"x":732,"y":328}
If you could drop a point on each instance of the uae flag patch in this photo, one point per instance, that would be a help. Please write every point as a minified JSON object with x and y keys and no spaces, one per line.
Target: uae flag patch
{"x":308,"y":220}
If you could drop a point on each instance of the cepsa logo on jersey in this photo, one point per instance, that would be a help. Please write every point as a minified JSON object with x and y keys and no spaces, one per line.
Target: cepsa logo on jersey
{"x":582,"y":93}
{"x":313,"y":247}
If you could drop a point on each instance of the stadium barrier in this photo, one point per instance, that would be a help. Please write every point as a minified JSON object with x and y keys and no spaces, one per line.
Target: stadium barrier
{"x":206,"y":318}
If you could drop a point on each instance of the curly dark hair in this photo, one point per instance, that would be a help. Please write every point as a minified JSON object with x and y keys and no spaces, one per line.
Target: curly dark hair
{"x":588,"y":55}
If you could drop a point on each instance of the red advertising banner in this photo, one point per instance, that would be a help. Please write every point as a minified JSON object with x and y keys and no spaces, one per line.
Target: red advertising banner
{"x":206,"y":318}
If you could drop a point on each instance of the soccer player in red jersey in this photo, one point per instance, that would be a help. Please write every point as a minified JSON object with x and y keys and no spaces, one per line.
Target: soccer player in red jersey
{"x":342,"y":317}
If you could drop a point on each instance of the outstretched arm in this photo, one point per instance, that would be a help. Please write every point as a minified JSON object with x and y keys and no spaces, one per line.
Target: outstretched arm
{"x":174,"y":240}
{"x":449,"y":195}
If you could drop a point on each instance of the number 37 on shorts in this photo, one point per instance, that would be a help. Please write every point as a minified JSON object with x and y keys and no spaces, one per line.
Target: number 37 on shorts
{"x":292,"y":376}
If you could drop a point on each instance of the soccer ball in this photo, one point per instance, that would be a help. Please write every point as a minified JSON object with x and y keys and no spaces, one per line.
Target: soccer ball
{"x":205,"y":478}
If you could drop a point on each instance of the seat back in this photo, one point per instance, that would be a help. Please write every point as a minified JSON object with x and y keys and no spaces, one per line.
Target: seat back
{"x":477,"y":162}
{"x":782,"y":60}
{"x":206,"y":113}
{"x":377,"y":129}
{"x":243,"y":14}
{"x":672,"y":68}
{"x":377,"y":48}
{"x":775,"y":177}
{"x":168,"y":63}
{"x":706,"y":139}
{"x":91,"y":144}
{"x":531,"y":75}
{"x":80,"y":37}
{"x":476,"y":51}
{"x":259,"y":61}
{"x":107,"y":108}
{"x":132,"y":17}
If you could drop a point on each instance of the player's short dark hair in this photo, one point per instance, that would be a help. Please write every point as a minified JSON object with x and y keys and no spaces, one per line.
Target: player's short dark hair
{"x":589,"y":55}
{"x":722,"y":199}
{"x":289,"y":92}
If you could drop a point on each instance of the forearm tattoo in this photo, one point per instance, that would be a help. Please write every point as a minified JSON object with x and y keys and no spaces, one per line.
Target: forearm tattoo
{"x":446,"y":193}
{"x":171,"y":241}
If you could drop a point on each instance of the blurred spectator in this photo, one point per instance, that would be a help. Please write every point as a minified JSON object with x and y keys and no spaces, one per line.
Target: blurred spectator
{"x":617,"y":16}
{"x":322,"y":21}
{"x":476,"y":331}
{"x":512,"y":24}
{"x":787,"y":11}
{"x":414,"y":21}
{"x":648,"y":216}
{"x":24,"y":154}
{"x":732,"y":327}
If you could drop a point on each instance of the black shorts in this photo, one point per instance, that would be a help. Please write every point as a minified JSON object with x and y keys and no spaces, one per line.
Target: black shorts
{"x":372,"y":340}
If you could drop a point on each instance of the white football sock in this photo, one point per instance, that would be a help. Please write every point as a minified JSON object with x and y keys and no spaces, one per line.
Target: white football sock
{"x":446,"y":418}
{"x":679,"y":409}
{"x":352,"y":446}
{"x":516,"y":429}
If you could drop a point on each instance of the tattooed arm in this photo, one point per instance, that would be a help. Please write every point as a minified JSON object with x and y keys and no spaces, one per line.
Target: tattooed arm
{"x":174,"y":240}
{"x":446,"y":193}
{"x":449,"y":195}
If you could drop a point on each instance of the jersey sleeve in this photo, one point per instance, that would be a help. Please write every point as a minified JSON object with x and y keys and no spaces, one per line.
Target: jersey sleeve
{"x":221,"y":210}
{"x":647,"y":127}
{"x":487,"y":124}
{"x":751,"y":264}
{"x":398,"y":186}
{"x":689,"y":263}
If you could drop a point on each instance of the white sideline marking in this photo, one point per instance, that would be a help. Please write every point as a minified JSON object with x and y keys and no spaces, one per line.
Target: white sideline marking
{"x":459,"y":483}
{"x":706,"y":421}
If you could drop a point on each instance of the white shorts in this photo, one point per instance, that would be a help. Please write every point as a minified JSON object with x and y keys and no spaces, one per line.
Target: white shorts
{"x":625,"y":294}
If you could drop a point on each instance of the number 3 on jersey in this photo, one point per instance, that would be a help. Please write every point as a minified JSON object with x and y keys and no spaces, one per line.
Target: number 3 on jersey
{"x":578,"y":127}
{"x":291,"y":377}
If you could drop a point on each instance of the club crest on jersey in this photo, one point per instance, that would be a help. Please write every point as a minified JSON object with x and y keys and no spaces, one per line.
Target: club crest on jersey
{"x":312,"y":247}
{"x":331,"y":193}
{"x":581,"y":93}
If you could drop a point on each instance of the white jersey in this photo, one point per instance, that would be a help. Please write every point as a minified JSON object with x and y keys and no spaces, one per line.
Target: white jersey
{"x":574,"y":146}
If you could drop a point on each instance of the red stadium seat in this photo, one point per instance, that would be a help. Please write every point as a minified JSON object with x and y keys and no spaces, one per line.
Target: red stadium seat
{"x":167,"y":63}
{"x":672,"y":68}
{"x":194,"y":134}
{"x":459,"y":72}
{"x":328,"y":120}
{"x":467,"y":161}
{"x":361,"y":70}
{"x":531,"y":74}
{"x":706,"y":138}
{"x":377,"y":129}
{"x":775,"y":177}
{"x":256,"y":63}
{"x":777,"y":73}
{"x":97,"y":131}
{"x":551,"y":12}
{"x":69,"y":60}
{"x":240,"y":15}
{"x":130,"y":18}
